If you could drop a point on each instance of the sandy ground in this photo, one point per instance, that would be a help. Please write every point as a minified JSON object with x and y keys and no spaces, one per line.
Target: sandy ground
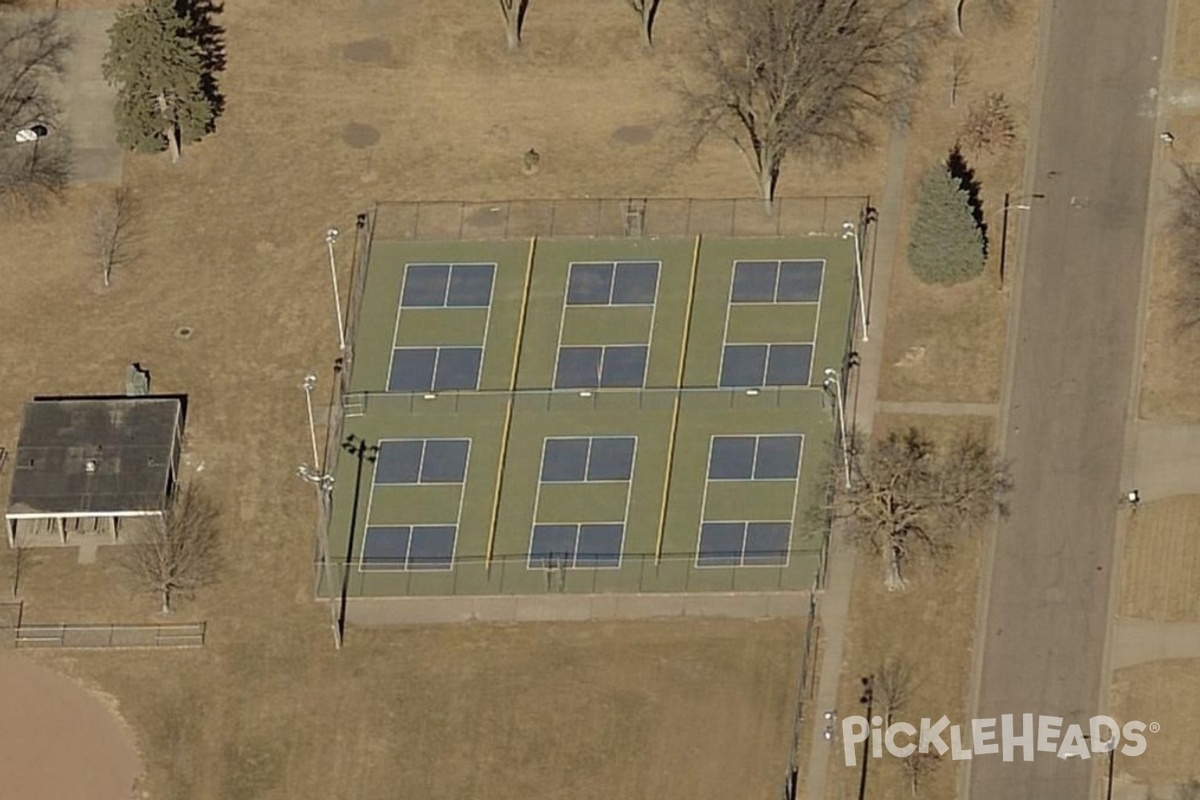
{"x":59,"y":740}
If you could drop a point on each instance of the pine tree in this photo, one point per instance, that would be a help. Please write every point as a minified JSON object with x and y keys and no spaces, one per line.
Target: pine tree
{"x":156,"y":64}
{"x":946,"y":245}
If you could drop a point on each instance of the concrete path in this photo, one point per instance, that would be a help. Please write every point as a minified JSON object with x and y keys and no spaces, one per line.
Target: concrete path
{"x":573,"y":607}
{"x":1168,"y":459}
{"x":86,"y":100}
{"x":1140,"y":641}
{"x":834,"y":604}
{"x":1066,"y":396}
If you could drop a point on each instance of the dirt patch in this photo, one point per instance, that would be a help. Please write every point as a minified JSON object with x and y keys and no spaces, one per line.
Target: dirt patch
{"x":1160,"y":569}
{"x":633,"y":134}
{"x":368,"y":51}
{"x":59,"y":740}
{"x":359,"y":135}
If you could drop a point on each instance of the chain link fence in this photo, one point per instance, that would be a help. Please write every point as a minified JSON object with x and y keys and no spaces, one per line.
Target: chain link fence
{"x":514,"y":575}
{"x":615,"y":217}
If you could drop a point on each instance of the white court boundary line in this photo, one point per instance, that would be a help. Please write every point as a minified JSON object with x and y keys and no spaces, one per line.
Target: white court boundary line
{"x":487,"y":323}
{"x":791,"y":522}
{"x":729,"y":304}
{"x":562,"y":322}
{"x":537,"y":499}
{"x":462,"y":491}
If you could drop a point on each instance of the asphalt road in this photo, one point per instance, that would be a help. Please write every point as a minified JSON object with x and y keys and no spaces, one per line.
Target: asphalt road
{"x":1046,"y":616}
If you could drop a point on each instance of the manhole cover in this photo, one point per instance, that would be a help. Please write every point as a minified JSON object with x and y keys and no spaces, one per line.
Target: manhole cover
{"x":358,"y":135}
{"x":368,"y":51}
{"x":183,"y":332}
{"x":633,"y":134}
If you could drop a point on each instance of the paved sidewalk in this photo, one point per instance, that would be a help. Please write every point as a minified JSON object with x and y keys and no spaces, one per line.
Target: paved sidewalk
{"x":834,"y":605}
{"x":1168,"y":459}
{"x":1140,"y":641}
{"x":86,"y":99}
{"x":369,"y":612}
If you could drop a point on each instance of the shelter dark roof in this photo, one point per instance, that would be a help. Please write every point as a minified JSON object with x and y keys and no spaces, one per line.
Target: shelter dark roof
{"x":90,"y":456}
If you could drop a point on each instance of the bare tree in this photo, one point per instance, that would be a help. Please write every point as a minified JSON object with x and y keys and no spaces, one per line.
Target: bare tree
{"x":785,"y":76}
{"x":959,"y":65}
{"x":178,"y":552}
{"x":31,"y":57}
{"x":1185,"y":227}
{"x":908,"y":499}
{"x":989,"y":125}
{"x":513,"y":12}
{"x":114,"y":219}
{"x":919,"y":766}
{"x":894,"y":683}
{"x":647,"y":10}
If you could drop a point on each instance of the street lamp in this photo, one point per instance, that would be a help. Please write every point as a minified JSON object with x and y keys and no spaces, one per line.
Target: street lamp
{"x":832,"y":381}
{"x":324,"y":483}
{"x":310,"y":383}
{"x":331,"y":236}
{"x":1017,"y":206}
{"x":850,"y":231}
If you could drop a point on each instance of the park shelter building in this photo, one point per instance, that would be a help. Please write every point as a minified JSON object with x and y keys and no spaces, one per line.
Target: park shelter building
{"x":85,"y":465}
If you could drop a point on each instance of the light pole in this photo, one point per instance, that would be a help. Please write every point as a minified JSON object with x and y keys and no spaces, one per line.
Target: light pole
{"x":850,"y":231}
{"x":832,"y":381}
{"x":310,"y":383}
{"x":1018,"y":206}
{"x":331,"y":236}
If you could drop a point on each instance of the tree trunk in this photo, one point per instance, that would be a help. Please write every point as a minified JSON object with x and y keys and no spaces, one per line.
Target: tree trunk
{"x":166,"y":601}
{"x":169,"y":129}
{"x":647,"y":19}
{"x":173,"y":143}
{"x":956,"y":9}
{"x":894,"y":580}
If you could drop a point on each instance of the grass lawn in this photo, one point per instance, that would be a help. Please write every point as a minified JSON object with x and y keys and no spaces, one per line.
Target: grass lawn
{"x":931,"y":626}
{"x":231,"y":246}
{"x":947,"y":344}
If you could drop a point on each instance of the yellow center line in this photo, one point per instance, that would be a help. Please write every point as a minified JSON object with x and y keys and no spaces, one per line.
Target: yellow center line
{"x":687,"y":325}
{"x":508,"y":409}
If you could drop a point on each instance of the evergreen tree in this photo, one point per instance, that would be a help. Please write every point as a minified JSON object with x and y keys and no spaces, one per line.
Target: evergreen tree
{"x":157,"y":66}
{"x":946,"y":245}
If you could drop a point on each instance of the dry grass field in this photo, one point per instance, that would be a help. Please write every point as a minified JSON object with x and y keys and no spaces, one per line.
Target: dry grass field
{"x":931,"y":626}
{"x":947,"y":344}
{"x":1160,"y":569}
{"x":1162,"y":692}
{"x":1172,"y":358}
{"x":332,"y":105}
{"x":231,"y":246}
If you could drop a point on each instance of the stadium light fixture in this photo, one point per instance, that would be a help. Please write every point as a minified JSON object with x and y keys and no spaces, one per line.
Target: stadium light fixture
{"x":832,"y":381}
{"x":331,"y":236}
{"x":850,"y":231}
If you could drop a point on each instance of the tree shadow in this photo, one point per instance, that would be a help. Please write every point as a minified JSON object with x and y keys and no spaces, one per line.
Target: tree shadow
{"x":210,"y":38}
{"x":957,"y":165}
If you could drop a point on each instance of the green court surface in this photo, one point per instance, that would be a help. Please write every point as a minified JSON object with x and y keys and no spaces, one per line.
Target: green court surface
{"x":593,"y":415}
